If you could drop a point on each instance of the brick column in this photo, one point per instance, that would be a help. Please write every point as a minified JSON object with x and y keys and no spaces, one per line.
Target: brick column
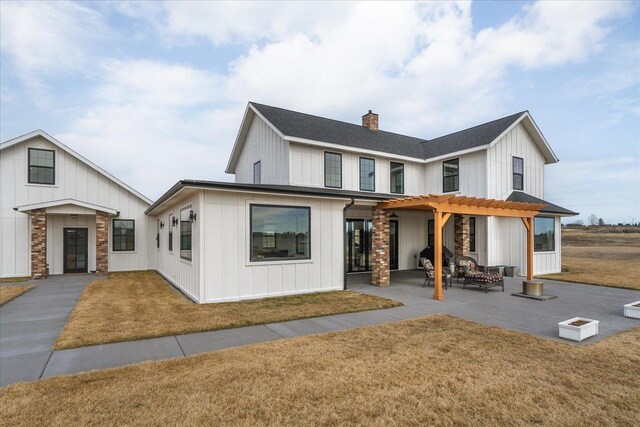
{"x":462,"y":231}
{"x":380,"y":248}
{"x":102,"y":243}
{"x":38,"y":243}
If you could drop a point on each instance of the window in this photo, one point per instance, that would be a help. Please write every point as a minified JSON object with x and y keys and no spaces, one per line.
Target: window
{"x":42,"y":166}
{"x":518,"y":173}
{"x":170,"y":239}
{"x":332,"y":170}
{"x":397,"y":178}
{"x":431,"y":233}
{"x":257,"y":173}
{"x":544,"y":234}
{"x":472,"y":234}
{"x":158,"y":233}
{"x":124,"y":235}
{"x":367,"y":174}
{"x":185,"y":233}
{"x":450,"y":176}
{"x":280,"y":232}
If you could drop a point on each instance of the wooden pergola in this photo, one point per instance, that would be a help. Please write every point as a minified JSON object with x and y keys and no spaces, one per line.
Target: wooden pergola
{"x":443,"y":206}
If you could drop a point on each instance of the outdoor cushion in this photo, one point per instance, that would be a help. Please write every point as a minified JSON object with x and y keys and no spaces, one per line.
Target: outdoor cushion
{"x":484,"y":277}
{"x":467,"y":264}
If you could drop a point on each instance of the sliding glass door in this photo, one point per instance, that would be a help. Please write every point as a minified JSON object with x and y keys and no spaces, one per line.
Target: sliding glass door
{"x":359,"y":245}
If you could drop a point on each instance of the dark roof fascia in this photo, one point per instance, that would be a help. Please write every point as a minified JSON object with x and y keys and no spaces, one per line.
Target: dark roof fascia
{"x":266,"y":188}
{"x":520,"y":196}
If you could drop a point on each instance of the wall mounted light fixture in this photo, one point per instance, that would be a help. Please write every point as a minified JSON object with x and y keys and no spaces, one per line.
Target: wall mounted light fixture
{"x":393,"y":215}
{"x":174,"y":221}
{"x":192,"y":216}
{"x":161,"y":224}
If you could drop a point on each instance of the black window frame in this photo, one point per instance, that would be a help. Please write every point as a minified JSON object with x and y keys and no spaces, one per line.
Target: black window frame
{"x":373,"y":173}
{"x":113,"y":235}
{"x":259,"y":165}
{"x":431,"y":233}
{"x":445,"y":177}
{"x":325,"y":168}
{"x":180,"y":221}
{"x":391,"y":187}
{"x":29,"y":180}
{"x":514,"y":173}
{"x":278,"y":259}
{"x":553,"y":241}
{"x":170,"y":230}
{"x":472,"y":234}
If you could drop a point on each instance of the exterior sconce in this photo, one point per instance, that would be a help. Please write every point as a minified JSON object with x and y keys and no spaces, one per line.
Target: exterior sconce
{"x":161,"y":224}
{"x":393,"y":215}
{"x":192,"y":216}
{"x":174,"y":221}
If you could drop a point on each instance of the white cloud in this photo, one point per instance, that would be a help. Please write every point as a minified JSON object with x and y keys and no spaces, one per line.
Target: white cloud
{"x":48,"y":38}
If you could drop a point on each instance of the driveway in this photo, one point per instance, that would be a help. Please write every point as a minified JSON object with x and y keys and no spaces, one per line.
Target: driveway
{"x":30,"y":324}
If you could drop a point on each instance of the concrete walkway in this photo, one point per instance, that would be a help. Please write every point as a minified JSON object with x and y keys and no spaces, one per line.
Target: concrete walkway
{"x":30,"y":323}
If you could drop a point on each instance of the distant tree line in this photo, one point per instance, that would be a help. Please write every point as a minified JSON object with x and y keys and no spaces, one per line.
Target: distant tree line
{"x":594,"y":221}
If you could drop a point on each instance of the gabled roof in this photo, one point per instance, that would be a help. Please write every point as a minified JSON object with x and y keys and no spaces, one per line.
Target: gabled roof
{"x":41,"y":133}
{"x":519,"y":196}
{"x":63,"y":202}
{"x":306,"y":128}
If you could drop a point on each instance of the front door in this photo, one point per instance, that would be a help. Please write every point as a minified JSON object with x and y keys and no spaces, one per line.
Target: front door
{"x":76,"y":244}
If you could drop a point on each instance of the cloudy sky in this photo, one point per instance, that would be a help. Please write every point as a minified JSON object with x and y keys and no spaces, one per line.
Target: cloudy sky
{"x":154,"y":92}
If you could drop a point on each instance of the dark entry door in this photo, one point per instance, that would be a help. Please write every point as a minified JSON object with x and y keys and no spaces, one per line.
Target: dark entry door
{"x":76,"y":244}
{"x":359,"y":236}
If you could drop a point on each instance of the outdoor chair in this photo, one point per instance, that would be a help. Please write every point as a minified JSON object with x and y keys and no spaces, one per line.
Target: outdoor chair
{"x":483,"y":280}
{"x":430,"y":273}
{"x":465,"y":265}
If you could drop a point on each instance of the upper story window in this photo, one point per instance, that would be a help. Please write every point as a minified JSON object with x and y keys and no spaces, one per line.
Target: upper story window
{"x":124,"y":235}
{"x":544,"y":231}
{"x":257,"y":173}
{"x":185,"y":233}
{"x":332,"y":170}
{"x":450,"y":175}
{"x":518,"y":173}
{"x":367,"y":174}
{"x":280,"y":232}
{"x":397,"y":178}
{"x":42,"y":166}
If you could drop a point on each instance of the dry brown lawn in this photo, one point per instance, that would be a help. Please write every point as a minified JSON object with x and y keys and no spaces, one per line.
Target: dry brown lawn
{"x":137,"y":305}
{"x":600,"y":258}
{"x":14,"y":279}
{"x":7,"y":293}
{"x":435,"y":370}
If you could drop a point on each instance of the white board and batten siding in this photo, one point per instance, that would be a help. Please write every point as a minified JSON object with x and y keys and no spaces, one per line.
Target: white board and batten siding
{"x":263,"y":144}
{"x":472,"y":175}
{"x":183,"y":273}
{"x":507,"y":244}
{"x":230,"y":275}
{"x":74,"y":179}
{"x":307,"y":169}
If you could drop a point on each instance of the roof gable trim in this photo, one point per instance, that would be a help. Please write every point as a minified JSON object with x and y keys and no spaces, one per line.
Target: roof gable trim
{"x":535,"y":133}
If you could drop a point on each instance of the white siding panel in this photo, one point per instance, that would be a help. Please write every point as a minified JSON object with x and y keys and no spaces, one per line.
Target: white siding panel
{"x":264,"y":145}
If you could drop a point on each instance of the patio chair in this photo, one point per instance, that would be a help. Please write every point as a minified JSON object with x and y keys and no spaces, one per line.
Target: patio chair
{"x":465,"y":265}
{"x":430,"y":273}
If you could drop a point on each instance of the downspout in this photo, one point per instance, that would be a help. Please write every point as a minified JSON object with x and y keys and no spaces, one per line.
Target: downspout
{"x":344,"y":246}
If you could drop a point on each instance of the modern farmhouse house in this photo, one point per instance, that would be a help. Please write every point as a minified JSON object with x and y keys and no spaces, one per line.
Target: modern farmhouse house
{"x":314,"y":199}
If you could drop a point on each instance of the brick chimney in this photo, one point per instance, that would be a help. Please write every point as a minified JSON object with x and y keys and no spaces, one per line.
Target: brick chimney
{"x":370,"y":120}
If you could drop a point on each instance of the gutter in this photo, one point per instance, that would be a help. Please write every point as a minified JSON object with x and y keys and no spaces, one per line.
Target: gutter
{"x":344,"y":246}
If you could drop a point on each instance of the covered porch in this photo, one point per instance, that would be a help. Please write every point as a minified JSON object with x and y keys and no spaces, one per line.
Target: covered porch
{"x":68,"y":236}
{"x":442,"y":207}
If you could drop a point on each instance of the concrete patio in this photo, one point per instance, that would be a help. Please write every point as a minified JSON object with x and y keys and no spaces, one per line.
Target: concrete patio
{"x":30,"y":324}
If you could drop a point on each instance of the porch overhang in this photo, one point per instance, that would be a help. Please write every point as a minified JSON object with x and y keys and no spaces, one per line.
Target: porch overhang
{"x":443,"y":206}
{"x":72,"y":203}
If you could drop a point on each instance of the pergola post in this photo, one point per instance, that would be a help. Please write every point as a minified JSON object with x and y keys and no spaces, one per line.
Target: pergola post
{"x":439,"y":220}
{"x":530,"y":250}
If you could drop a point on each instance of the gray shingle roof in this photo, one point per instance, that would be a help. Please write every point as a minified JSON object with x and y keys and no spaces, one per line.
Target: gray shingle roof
{"x":301,"y":125}
{"x":519,"y":196}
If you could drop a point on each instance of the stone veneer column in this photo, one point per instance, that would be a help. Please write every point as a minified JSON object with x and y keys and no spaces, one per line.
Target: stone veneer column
{"x":38,"y":243}
{"x":102,"y":243}
{"x":380,"y":275}
{"x":462,"y":229}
